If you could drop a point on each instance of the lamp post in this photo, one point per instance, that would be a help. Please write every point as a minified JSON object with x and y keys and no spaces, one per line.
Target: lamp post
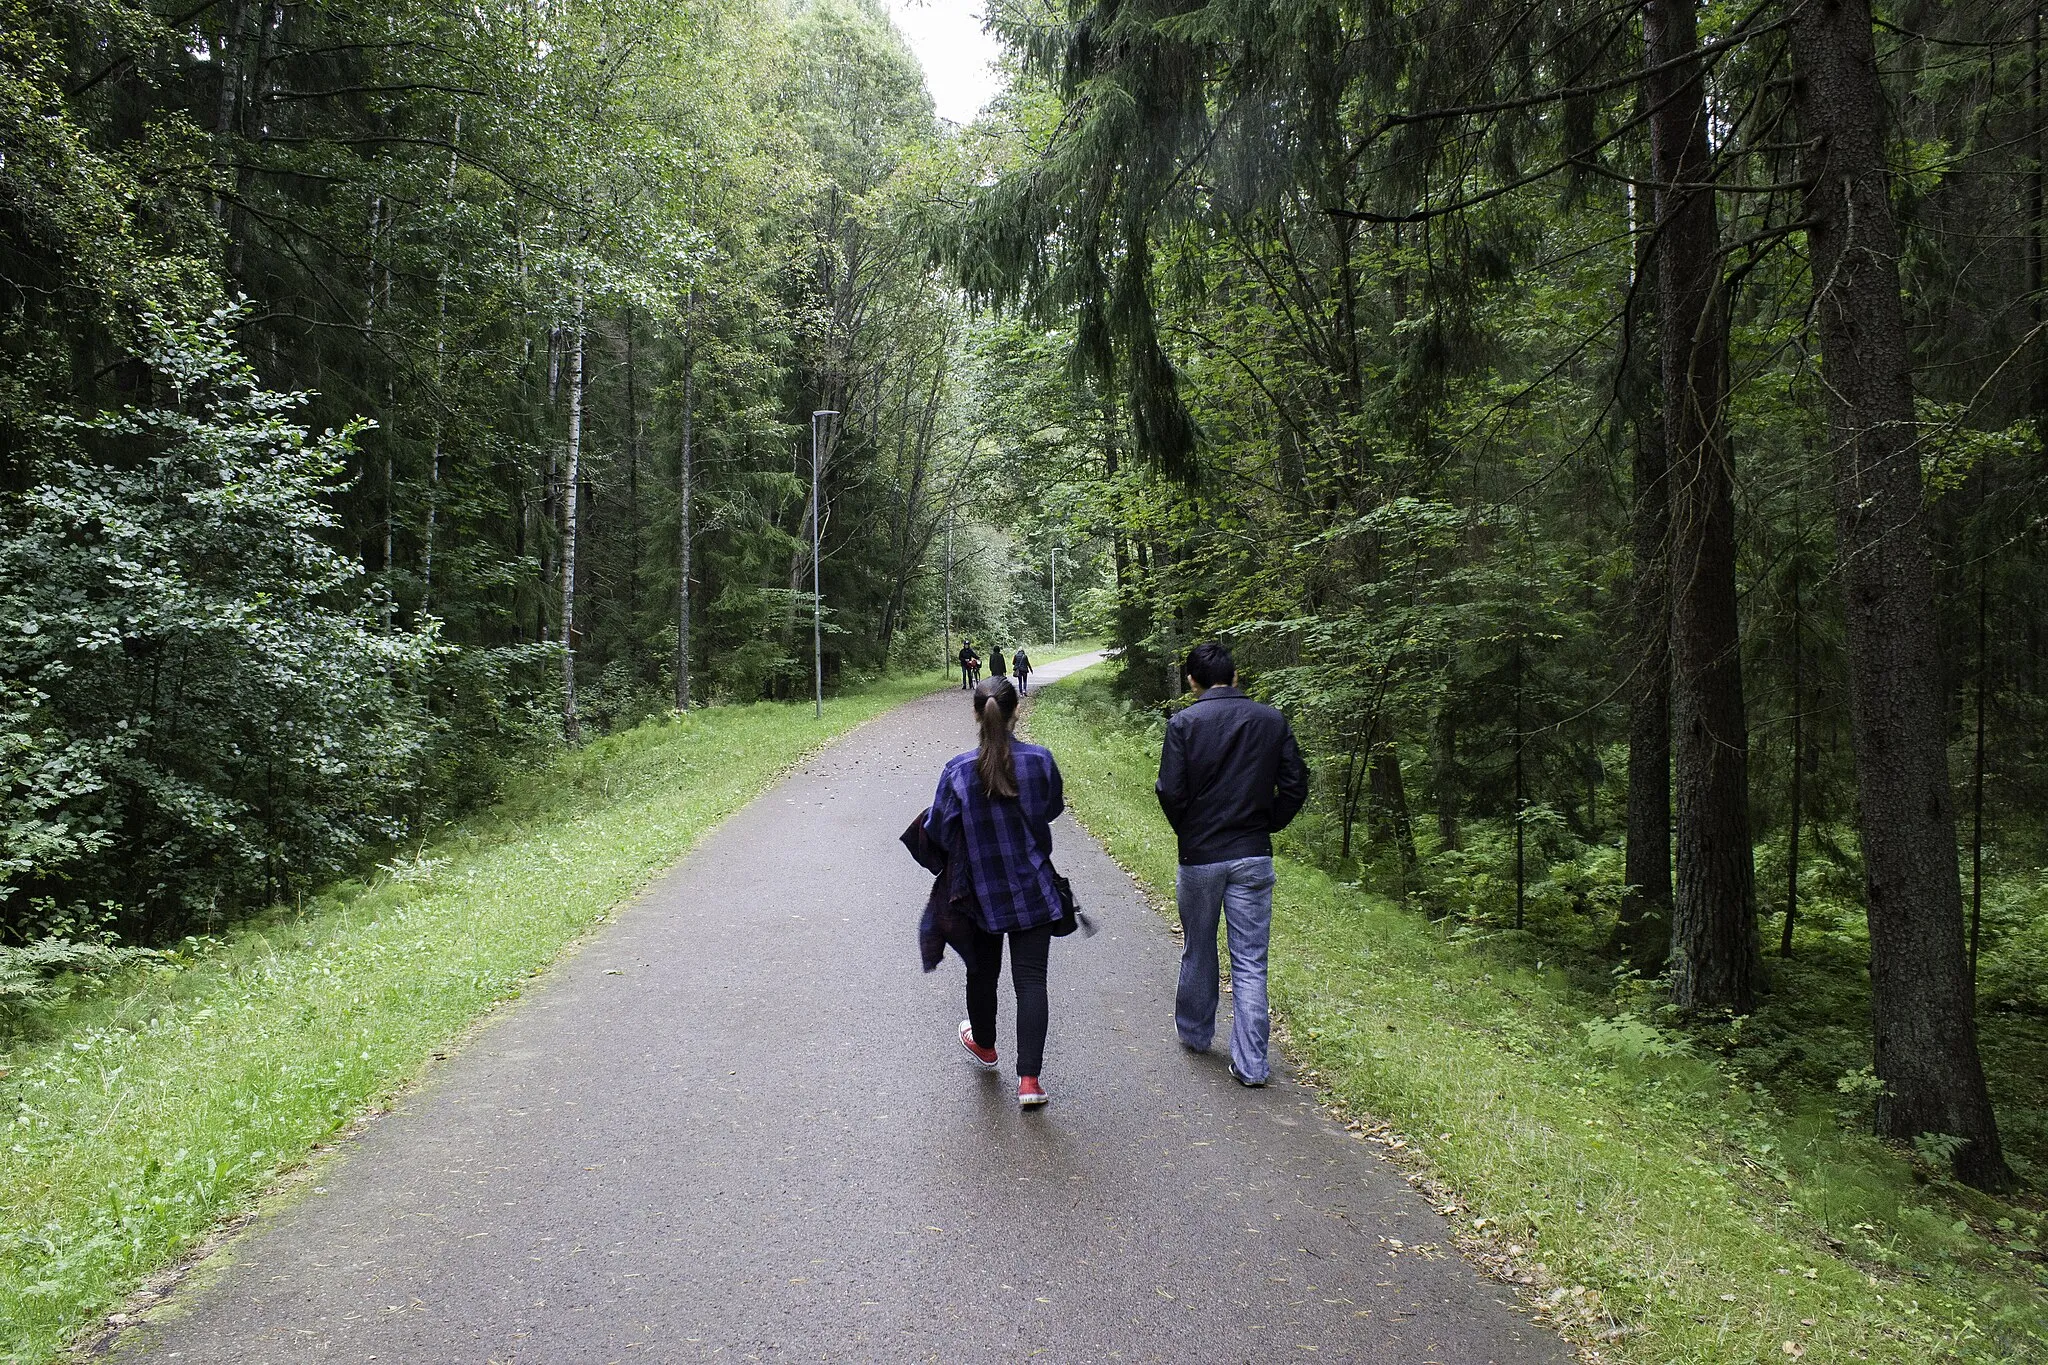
{"x":947,"y":662}
{"x":1055,"y":596}
{"x":817,"y":595}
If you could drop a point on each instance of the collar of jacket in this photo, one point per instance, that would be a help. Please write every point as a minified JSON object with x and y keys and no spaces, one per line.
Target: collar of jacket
{"x":1219,"y":691}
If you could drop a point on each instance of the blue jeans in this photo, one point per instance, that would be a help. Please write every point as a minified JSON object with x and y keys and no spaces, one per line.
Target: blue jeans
{"x":1241,"y":891}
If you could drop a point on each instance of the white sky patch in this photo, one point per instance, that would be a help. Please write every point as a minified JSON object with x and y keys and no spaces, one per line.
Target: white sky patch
{"x":958,"y":57}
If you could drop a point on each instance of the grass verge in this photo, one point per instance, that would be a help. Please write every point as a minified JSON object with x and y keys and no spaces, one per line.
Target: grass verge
{"x":1658,"y":1207}
{"x":134,"y":1121}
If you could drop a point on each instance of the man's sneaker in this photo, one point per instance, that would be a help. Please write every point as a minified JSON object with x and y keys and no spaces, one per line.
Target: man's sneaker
{"x":984,"y":1057}
{"x":1030,"y":1094}
{"x":1244,"y":1080}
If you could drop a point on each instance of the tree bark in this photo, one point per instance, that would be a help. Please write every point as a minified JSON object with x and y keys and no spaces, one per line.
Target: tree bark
{"x":1642,"y":932}
{"x":1798,"y":749}
{"x":1521,"y":795}
{"x":1923,"y":1010}
{"x":571,"y":729}
{"x":1977,"y":768}
{"x":634,"y":659}
{"x":683,"y":509}
{"x":1716,"y":959}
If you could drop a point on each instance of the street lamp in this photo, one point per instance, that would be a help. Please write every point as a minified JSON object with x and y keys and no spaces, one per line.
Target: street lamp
{"x":817,"y":595}
{"x":1055,"y":596}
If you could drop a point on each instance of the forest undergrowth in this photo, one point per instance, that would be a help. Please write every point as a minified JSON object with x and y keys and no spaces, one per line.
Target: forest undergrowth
{"x":138,"y":1111}
{"x":1701,"y":1195}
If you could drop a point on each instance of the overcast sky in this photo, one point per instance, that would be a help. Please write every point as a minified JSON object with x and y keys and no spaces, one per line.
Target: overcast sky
{"x":946,"y":36}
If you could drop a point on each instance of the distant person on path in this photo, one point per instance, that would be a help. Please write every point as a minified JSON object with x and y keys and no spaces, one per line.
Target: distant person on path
{"x":1020,"y":665}
{"x":993,"y":815}
{"x":996,"y":667}
{"x":1230,"y":775}
{"x":969,"y":661}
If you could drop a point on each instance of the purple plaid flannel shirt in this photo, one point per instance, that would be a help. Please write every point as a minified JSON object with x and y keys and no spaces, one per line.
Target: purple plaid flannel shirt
{"x":1005,"y":845}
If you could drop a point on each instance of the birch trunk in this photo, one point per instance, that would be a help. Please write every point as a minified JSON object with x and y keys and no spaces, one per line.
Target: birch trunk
{"x":683,"y":510}
{"x":571,"y":476}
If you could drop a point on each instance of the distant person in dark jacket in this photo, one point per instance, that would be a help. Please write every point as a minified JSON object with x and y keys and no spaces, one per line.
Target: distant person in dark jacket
{"x":996,"y":667}
{"x":993,"y":815}
{"x":1020,"y":668}
{"x":970,"y":665}
{"x":1229,"y":777}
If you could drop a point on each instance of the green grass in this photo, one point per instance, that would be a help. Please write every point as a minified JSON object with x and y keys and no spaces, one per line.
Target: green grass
{"x":1667,"y":1209}
{"x":134,"y":1121}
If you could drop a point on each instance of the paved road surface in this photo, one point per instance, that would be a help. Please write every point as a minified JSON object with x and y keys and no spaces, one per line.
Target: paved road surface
{"x":737,"y":1127}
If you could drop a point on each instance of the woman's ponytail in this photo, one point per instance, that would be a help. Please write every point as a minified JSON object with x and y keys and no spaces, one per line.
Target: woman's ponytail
{"x":995,"y":707}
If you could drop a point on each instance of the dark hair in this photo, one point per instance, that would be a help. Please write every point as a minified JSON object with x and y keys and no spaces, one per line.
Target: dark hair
{"x":1210,"y":664}
{"x":995,"y":707}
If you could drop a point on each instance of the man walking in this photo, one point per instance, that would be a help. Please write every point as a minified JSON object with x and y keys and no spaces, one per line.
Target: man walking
{"x":1229,"y":776}
{"x":969,"y":673}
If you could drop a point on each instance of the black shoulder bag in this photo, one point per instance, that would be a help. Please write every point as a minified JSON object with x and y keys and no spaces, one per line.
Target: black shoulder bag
{"x":1071,"y":916}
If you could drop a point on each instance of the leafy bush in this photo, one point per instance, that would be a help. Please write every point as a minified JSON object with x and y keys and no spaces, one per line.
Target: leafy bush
{"x":199,"y":707}
{"x":1631,"y":1038}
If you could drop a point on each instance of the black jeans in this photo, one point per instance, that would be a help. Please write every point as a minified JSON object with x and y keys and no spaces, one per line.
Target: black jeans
{"x":1029,"y":949}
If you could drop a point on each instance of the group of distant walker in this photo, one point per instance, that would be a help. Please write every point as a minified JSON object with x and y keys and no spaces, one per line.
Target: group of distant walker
{"x":970,"y":666}
{"x":1230,"y":777}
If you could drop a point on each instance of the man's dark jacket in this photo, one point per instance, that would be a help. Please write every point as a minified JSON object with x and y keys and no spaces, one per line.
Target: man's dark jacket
{"x":1230,"y":775}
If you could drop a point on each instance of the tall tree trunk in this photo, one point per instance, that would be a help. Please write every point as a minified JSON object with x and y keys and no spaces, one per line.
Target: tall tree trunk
{"x":1798,"y":743}
{"x":634,"y":658}
{"x":1643,"y":930}
{"x":1349,"y":804}
{"x":1977,"y":766}
{"x":1521,"y":795}
{"x":1923,"y":1010}
{"x":440,"y":397}
{"x":570,"y":486}
{"x":1716,"y":957}
{"x":684,"y":480}
{"x":2037,"y":212}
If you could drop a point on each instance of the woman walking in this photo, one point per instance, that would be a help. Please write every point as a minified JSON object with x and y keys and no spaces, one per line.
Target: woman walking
{"x":993,"y":816}
{"x":1020,"y":665}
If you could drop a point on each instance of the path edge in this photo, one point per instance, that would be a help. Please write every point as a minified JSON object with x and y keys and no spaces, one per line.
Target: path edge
{"x":161,"y":1290}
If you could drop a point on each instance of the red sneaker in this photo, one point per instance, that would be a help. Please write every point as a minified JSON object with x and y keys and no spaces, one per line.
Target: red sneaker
{"x":1030,"y":1094}
{"x":984,"y":1057}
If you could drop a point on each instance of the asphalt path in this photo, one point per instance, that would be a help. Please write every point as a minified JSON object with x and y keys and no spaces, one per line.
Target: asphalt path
{"x":738,"y":1125}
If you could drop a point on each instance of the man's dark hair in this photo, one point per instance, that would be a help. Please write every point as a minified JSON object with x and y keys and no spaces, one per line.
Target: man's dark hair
{"x":1210,"y":665}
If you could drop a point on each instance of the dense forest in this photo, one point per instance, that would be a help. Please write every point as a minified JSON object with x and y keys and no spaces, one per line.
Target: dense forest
{"x":1612,"y":432}
{"x":392,"y":389}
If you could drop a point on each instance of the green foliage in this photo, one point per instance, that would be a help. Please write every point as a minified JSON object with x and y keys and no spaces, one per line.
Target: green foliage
{"x":210,"y":712}
{"x":1632,"y":1039}
{"x":290,"y":301}
{"x":35,"y":973}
